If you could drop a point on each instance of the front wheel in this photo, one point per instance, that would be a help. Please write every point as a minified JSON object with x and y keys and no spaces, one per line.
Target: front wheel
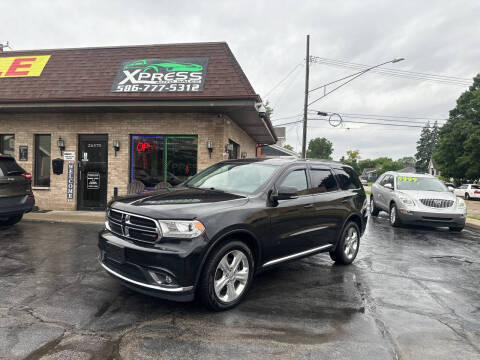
{"x":227,"y":276}
{"x":456,"y":228}
{"x":348,"y":245}
{"x":373,"y":209}
{"x":394,"y":218}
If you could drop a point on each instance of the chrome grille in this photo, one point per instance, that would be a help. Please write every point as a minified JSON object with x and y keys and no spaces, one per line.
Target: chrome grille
{"x":138,"y":229}
{"x":437,"y":203}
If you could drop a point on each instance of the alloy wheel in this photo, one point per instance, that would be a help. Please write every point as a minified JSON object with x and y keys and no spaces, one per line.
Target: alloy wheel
{"x":372,"y":205}
{"x":393,"y":214}
{"x":231,"y":276}
{"x":351,"y":243}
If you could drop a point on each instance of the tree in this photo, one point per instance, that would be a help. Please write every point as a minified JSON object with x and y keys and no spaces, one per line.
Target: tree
{"x":269,"y":109}
{"x":407,"y":161}
{"x":320,"y":148}
{"x":458,"y":151}
{"x":288,"y":147}
{"x":423,"y":154}
{"x":352,"y":159}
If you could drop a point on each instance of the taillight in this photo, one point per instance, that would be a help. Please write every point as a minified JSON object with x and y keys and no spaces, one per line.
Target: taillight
{"x":476,"y":192}
{"x":31,"y":197}
{"x":27,"y":176}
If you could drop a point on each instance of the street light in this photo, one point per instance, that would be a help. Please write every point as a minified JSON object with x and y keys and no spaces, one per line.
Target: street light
{"x":325,"y":93}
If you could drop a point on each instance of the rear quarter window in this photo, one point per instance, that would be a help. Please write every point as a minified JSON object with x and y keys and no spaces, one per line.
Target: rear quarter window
{"x":9,"y":165}
{"x":347,"y":178}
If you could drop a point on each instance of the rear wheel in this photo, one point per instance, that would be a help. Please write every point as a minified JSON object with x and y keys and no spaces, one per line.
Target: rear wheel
{"x":467,"y":196}
{"x":227,"y":276}
{"x":373,"y":209}
{"x":348,"y":245}
{"x":394,"y":218}
{"x":12,"y":220}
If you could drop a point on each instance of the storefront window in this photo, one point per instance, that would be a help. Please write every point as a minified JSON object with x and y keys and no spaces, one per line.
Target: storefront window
{"x":158,"y":158}
{"x":233,"y":154}
{"x":7,"y":144}
{"x":42,"y":160}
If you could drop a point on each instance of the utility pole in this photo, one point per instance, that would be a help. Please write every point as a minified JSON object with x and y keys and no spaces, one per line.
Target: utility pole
{"x":305,"y":106}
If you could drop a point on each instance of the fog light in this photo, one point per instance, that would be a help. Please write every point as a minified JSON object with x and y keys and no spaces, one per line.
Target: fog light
{"x":162,"y":278}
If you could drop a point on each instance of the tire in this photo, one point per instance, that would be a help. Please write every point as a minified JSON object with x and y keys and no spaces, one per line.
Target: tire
{"x":373,"y":209}
{"x":346,"y":251}
{"x":467,"y":197}
{"x":12,"y":220}
{"x":222,"y":259}
{"x":456,"y":228}
{"x":394,"y":218}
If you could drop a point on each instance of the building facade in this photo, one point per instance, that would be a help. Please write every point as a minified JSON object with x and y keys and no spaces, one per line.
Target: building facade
{"x":88,"y":122}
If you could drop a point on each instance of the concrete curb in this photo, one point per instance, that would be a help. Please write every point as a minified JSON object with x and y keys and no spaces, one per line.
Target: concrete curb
{"x":473,"y":224}
{"x":78,"y":217}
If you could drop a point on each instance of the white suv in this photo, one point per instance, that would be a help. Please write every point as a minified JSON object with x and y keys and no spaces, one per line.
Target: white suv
{"x":468,"y":191}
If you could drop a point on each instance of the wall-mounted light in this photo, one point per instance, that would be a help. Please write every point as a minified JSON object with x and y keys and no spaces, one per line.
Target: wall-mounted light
{"x":244,"y":155}
{"x":116,"y":146}
{"x":61,"y":145}
{"x":210,"y":147}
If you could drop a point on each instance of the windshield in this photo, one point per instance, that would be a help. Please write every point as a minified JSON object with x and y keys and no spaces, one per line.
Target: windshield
{"x":420,"y":184}
{"x":243,"y":178}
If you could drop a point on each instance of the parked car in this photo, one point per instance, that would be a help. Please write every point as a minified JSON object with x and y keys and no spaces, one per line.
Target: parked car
{"x":364,"y":182}
{"x":417,"y":199}
{"x":449,"y":185}
{"x":16,"y":197}
{"x":211,"y":234}
{"x":468,"y":191}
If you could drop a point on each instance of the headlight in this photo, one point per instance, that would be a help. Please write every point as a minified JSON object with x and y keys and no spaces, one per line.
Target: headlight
{"x":461,"y":203}
{"x":406,"y":200}
{"x":181,"y":229}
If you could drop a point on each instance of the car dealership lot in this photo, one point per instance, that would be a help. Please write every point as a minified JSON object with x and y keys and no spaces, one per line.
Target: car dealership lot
{"x":411,"y":293}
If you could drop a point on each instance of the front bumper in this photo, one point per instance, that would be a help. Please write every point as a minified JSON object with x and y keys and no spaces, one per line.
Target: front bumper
{"x":15,"y":205}
{"x":139,"y":268}
{"x":432,"y":218}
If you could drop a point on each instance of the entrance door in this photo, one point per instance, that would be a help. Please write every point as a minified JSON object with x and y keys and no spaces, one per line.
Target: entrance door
{"x":92,"y":172}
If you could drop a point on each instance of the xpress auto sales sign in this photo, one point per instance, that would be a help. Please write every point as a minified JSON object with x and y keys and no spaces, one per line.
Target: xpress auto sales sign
{"x":161,"y":75}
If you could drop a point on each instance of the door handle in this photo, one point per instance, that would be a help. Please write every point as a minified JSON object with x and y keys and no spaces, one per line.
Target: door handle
{"x":308,"y":206}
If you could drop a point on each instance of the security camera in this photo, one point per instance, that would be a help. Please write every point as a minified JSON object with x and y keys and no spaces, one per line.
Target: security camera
{"x":262,"y":110}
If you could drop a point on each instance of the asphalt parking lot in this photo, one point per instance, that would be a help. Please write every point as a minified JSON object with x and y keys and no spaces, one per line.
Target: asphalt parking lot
{"x":413,"y":293}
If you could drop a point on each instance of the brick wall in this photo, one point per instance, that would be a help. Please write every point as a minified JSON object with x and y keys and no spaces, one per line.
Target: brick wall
{"x":118,"y":126}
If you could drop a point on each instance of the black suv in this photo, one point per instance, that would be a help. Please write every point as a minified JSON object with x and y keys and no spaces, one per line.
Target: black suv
{"x":16,"y":197}
{"x":212,"y":233}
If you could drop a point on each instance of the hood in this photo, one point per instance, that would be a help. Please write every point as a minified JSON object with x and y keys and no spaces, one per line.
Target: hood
{"x":418,"y":194}
{"x":179,"y":203}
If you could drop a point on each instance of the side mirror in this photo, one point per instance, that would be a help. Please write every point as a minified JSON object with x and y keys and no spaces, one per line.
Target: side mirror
{"x":451,"y":189}
{"x":287,"y":192}
{"x":389,"y":186}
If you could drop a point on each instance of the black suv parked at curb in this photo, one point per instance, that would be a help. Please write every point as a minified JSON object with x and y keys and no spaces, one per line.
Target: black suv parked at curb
{"x":16,"y":197}
{"x":211,"y":234}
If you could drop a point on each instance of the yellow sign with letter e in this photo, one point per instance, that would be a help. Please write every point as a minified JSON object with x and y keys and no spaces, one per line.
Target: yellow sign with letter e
{"x":22,"y":66}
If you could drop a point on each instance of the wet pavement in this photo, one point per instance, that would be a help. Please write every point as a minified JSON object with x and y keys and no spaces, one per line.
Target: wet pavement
{"x":412,"y":293}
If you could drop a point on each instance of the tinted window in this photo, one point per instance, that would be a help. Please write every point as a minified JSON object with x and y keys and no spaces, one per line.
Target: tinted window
{"x":298,"y":180}
{"x":42,"y":160}
{"x":347,"y":178}
{"x":322,"y":181}
{"x":476,"y":187}
{"x":9,"y":167}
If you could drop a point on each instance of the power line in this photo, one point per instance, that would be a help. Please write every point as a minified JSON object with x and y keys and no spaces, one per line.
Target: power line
{"x":354,"y":122}
{"x":452,"y":80}
{"x":402,"y":120}
{"x":388,"y":116}
{"x":281,"y":81}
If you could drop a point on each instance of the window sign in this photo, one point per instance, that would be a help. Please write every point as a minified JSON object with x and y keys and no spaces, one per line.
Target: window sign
{"x":23,"y":153}
{"x":161,"y":75}
{"x":93,"y":180}
{"x":157,"y":158}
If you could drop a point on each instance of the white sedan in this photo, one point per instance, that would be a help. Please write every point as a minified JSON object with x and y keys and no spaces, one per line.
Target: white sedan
{"x":468,"y":191}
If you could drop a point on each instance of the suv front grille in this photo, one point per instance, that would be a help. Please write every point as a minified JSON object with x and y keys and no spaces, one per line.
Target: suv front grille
{"x":139,"y":229}
{"x":437,"y":203}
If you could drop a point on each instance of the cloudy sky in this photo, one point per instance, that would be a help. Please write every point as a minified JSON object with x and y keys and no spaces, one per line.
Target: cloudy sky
{"x":268,"y":39}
